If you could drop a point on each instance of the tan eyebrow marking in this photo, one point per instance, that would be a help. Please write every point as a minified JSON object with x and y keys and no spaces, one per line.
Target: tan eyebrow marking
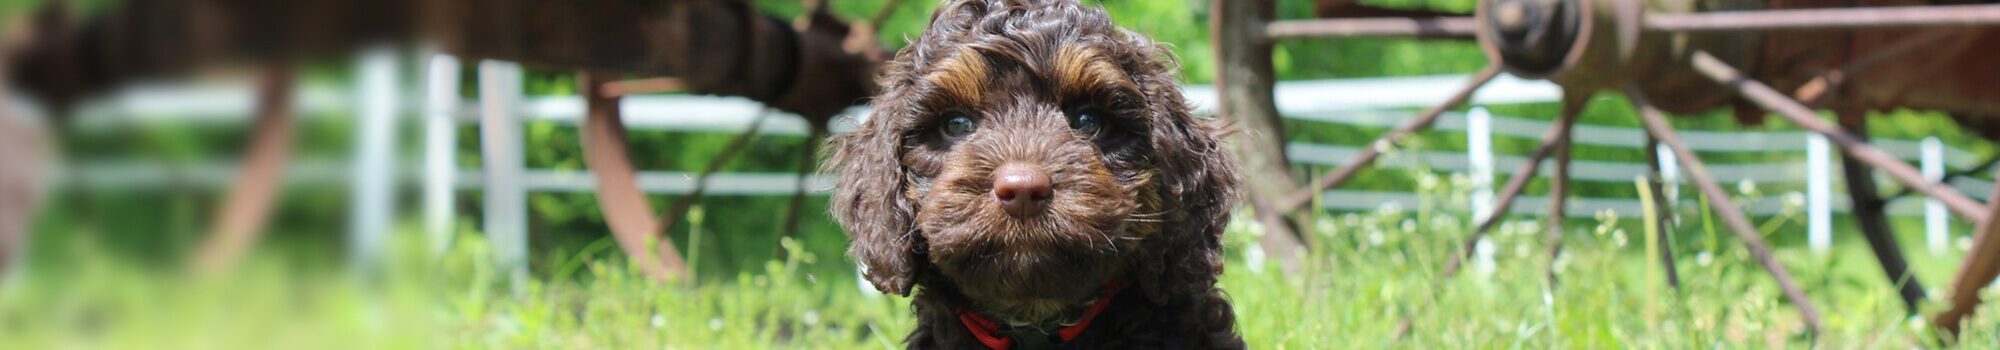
{"x":1081,"y":70}
{"x":962,"y":76}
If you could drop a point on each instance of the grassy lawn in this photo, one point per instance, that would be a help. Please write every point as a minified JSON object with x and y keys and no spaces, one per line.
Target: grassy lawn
{"x":1369,"y":271}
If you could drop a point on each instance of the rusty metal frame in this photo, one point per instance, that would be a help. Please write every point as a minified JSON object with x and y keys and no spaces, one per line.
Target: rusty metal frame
{"x":1827,"y":18}
{"x":1725,"y":21}
{"x":1818,"y":91}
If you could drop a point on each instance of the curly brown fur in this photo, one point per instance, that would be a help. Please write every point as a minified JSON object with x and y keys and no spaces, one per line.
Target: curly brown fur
{"x":1142,"y":200}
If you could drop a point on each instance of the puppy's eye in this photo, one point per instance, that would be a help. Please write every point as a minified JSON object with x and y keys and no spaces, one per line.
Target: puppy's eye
{"x":1088,"y":122}
{"x":958,"y":125}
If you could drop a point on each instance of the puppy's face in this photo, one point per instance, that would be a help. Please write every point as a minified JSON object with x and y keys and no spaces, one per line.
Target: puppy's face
{"x":1022,"y":154}
{"x":1030,"y":168}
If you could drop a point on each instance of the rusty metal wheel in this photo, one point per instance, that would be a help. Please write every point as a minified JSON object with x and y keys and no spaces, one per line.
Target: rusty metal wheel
{"x":1679,"y":52}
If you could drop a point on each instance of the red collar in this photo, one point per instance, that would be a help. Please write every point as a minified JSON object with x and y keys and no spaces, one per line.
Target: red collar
{"x":983,"y":328}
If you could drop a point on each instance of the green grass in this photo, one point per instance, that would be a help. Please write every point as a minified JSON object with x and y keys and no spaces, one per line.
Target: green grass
{"x":1368,"y":271}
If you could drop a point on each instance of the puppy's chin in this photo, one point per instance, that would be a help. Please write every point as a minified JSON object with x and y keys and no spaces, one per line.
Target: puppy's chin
{"x":1029,"y":281}
{"x":1037,"y":270}
{"x":1010,"y":271}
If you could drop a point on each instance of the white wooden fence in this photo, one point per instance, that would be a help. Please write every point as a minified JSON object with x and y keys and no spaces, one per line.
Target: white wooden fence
{"x":501,"y":109}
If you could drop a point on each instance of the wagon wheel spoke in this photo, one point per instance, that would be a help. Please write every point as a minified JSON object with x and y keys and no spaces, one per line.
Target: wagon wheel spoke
{"x":1871,"y":215}
{"x":1661,"y":214}
{"x":1655,"y":122}
{"x":243,"y":215}
{"x":1981,"y":265}
{"x":625,"y":207}
{"x":1804,"y":117}
{"x":1949,"y":177}
{"x":679,"y":210}
{"x":808,"y":155}
{"x":1391,"y":139}
{"x":1552,"y":236}
{"x":1554,"y":142}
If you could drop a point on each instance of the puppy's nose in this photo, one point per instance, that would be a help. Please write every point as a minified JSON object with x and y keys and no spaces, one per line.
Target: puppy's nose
{"x":1022,"y":190}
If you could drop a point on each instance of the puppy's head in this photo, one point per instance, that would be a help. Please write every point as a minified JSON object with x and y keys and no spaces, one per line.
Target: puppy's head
{"x":1024,"y":154}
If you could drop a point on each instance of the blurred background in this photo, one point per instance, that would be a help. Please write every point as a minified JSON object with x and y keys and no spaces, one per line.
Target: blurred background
{"x":140,"y":226}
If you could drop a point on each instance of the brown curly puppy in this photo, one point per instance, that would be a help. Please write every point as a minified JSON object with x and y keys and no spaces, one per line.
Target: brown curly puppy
{"x":1035,"y":170}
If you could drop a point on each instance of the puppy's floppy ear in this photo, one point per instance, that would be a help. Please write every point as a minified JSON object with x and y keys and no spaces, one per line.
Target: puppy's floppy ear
{"x":869,"y":203}
{"x":1198,"y":177}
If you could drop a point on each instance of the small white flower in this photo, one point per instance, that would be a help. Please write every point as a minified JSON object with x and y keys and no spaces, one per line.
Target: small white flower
{"x":1704,"y":258}
{"x":1254,"y":257}
{"x":1746,"y":187}
{"x":1964,"y":244}
{"x":1390,"y":208}
{"x":659,"y":321}
{"x":1461,"y":180}
{"x":1444,"y":221}
{"x":1385,"y":147}
{"x":1375,"y":238}
{"x":715,"y":324}
{"x":1917,"y":323}
{"x":811,"y":317}
{"x":1618,"y":236}
{"x":1795,"y":199}
{"x":1521,"y":250}
{"x":1409,"y":225}
{"x":1428,"y":182}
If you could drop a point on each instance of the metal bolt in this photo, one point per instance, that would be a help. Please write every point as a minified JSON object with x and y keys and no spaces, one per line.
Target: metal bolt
{"x":1511,"y":16}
